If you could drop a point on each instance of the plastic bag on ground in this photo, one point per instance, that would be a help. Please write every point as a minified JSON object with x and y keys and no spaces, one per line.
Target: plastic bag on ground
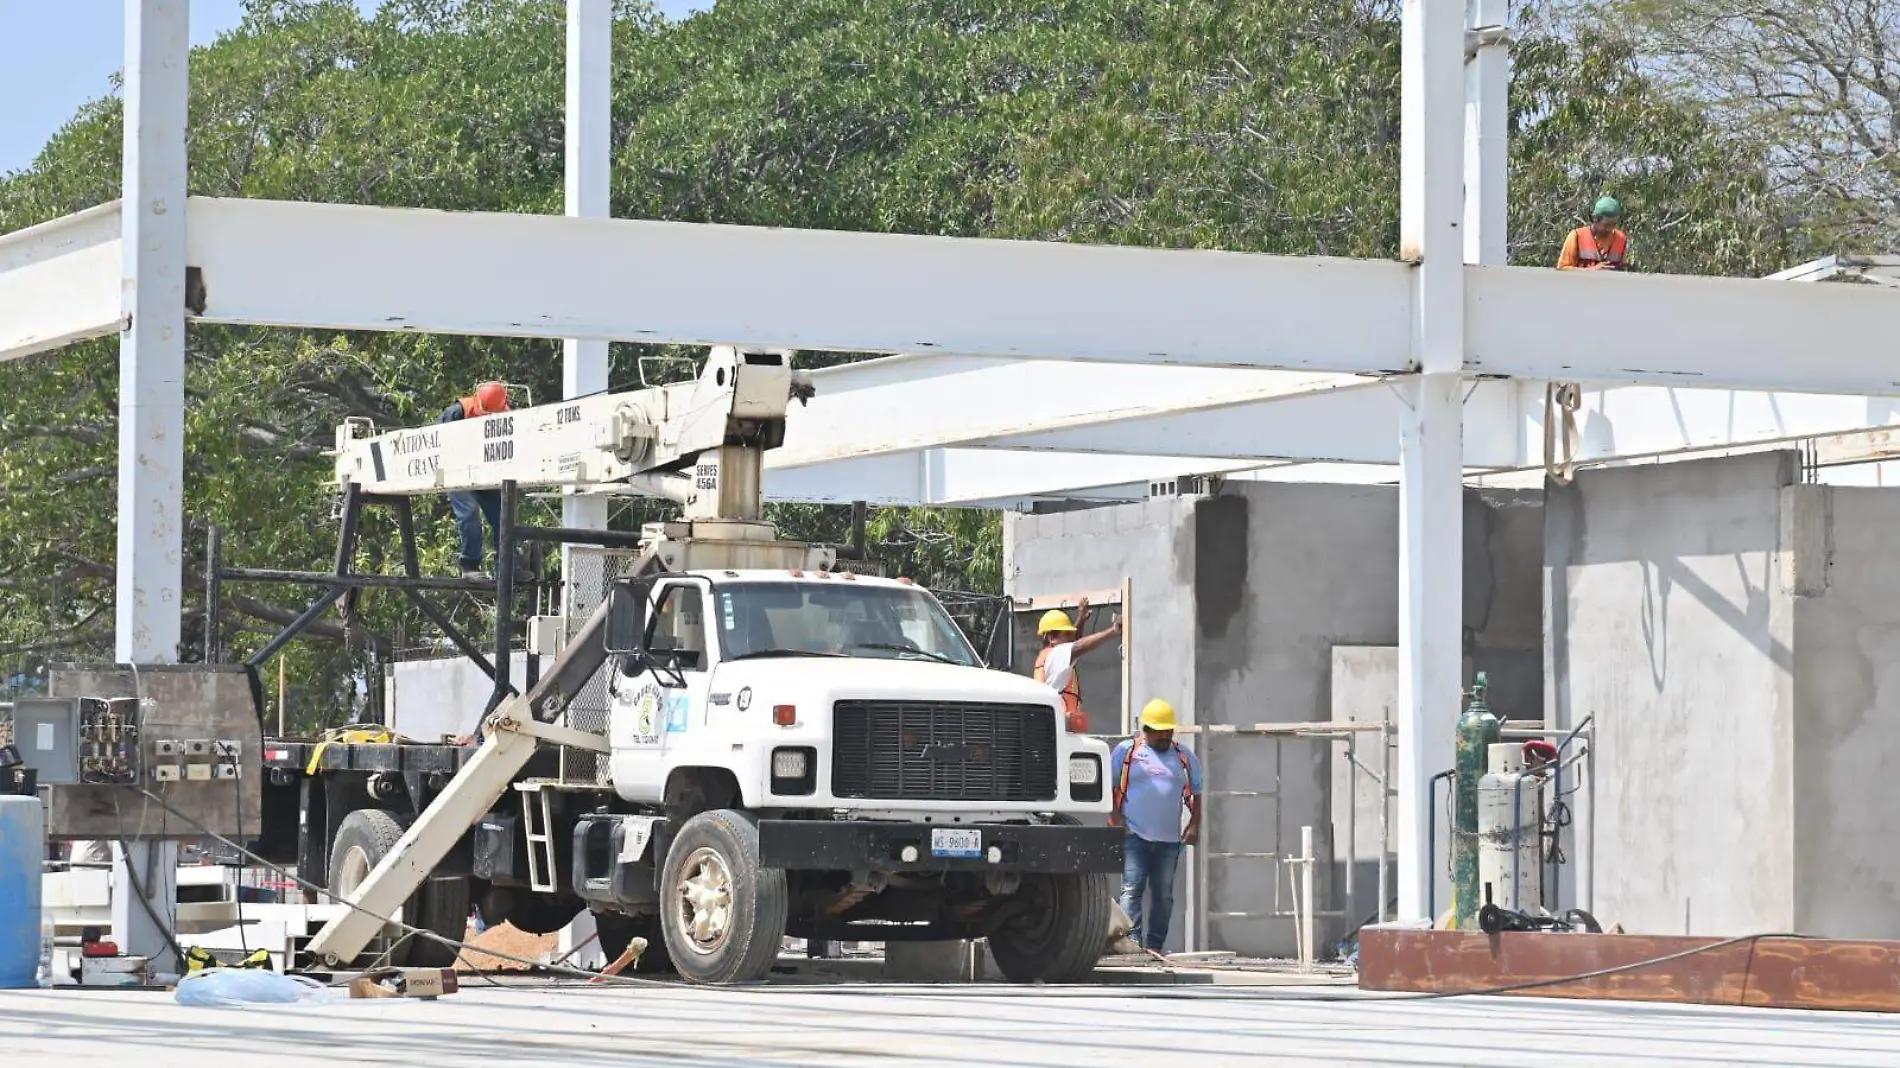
{"x":248,"y":986}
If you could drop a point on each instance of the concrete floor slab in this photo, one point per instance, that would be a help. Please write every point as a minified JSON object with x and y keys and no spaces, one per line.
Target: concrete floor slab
{"x":528,"y":1024}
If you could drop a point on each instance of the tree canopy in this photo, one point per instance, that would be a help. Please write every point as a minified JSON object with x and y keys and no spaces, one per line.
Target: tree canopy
{"x":1264,"y":125}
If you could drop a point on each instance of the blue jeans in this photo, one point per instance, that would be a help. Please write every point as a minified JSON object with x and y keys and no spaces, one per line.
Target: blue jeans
{"x":1149,"y":866}
{"x":470,"y":509}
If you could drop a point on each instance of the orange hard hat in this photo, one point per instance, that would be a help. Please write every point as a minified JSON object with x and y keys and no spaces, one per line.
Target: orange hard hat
{"x":491,"y":397}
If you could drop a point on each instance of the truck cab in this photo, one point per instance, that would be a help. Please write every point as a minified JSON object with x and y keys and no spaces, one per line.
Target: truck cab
{"x":824,"y":755}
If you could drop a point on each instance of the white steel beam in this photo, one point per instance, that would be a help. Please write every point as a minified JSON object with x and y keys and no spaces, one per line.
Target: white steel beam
{"x":1734,"y":333}
{"x":1431,"y":487}
{"x":965,"y":477}
{"x":366,"y":268}
{"x":907,"y":403}
{"x":589,"y":164}
{"x":59,"y":282}
{"x":351,"y":267}
{"x":1626,"y":422}
{"x":152,"y":409}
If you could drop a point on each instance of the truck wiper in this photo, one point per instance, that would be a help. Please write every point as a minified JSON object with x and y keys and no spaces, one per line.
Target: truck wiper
{"x":939,"y":657}
{"x":758,"y":654}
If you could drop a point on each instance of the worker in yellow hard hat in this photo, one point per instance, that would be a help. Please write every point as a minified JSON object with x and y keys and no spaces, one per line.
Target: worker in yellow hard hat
{"x":1062,"y":642}
{"x":1156,"y":780}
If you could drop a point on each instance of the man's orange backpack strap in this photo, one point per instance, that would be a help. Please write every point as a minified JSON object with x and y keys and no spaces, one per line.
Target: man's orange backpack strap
{"x":1128,"y":763}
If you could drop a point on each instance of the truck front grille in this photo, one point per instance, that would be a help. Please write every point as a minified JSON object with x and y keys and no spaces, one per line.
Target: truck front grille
{"x":943,"y":751}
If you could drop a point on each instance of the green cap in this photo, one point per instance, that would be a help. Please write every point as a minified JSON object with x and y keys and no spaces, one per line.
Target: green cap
{"x":1608,"y":207}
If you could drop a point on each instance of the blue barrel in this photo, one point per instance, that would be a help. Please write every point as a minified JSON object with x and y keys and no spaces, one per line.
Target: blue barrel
{"x":22,"y":858}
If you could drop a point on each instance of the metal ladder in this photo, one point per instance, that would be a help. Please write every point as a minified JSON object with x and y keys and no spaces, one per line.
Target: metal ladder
{"x":541,"y":862}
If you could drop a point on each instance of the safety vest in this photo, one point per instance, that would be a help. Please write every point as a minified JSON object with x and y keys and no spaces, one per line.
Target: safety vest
{"x":1071,"y":693}
{"x":1128,"y":764}
{"x":1588,"y":252}
{"x":470,"y":408}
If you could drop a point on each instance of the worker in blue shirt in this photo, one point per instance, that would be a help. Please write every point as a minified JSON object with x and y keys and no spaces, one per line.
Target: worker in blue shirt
{"x":472,"y":506}
{"x":1155,"y":780}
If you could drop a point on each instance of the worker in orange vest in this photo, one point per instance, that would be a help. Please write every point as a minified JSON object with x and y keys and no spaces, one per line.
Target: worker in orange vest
{"x":472,"y":506}
{"x":1599,"y":246}
{"x":1055,"y":664}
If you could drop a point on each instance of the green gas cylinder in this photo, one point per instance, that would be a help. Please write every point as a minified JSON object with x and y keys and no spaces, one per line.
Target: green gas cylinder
{"x":1477,"y":730}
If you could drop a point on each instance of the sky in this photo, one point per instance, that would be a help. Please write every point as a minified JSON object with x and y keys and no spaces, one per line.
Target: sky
{"x":57,"y":54}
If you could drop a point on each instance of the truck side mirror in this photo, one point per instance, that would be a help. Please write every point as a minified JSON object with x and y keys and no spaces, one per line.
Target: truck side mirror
{"x":627,"y":617}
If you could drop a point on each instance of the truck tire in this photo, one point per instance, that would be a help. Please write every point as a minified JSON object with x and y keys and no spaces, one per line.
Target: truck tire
{"x":617,"y":930}
{"x":442,"y":907}
{"x":1059,"y":937}
{"x":722,"y":914}
{"x":362,"y":840}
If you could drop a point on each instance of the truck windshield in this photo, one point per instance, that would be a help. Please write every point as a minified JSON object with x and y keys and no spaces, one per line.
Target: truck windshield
{"x":836,"y":618}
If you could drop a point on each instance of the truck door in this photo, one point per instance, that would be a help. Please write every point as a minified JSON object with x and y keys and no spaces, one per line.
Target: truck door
{"x":651,"y":717}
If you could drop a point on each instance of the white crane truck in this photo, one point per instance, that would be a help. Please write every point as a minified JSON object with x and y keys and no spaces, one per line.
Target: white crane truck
{"x":791,"y":750}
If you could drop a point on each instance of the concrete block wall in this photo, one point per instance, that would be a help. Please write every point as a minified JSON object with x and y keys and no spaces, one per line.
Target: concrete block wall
{"x":1240,"y":601}
{"x":1670,"y":624}
{"x":1846,"y":745}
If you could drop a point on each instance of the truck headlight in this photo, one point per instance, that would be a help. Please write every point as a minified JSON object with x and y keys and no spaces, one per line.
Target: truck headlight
{"x":794,"y":771}
{"x":788,"y":764}
{"x":1085,"y":771}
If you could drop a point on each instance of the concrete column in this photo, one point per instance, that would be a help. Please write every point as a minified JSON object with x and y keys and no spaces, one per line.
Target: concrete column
{"x":589,"y":168}
{"x":1432,"y":443}
{"x":152,"y":412}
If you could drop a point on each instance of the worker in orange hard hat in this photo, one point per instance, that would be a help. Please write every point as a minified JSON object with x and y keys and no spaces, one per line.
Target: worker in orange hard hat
{"x":472,"y":506}
{"x":1062,"y":642}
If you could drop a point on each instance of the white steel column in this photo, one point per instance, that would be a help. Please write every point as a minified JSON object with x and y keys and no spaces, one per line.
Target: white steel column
{"x":152,"y":412}
{"x":589,"y":153}
{"x":1487,"y":132}
{"x":589,"y":146}
{"x":1430,"y":469}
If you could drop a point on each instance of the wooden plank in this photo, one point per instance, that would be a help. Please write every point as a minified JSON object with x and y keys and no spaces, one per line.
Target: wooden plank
{"x":1128,"y":660}
{"x":1044,"y":602}
{"x":1793,"y":973}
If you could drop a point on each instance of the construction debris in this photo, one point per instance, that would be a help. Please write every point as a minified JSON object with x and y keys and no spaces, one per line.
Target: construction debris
{"x":504,"y":938}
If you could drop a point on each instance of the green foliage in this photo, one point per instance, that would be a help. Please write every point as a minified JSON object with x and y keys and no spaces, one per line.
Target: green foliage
{"x":1257,"y":126}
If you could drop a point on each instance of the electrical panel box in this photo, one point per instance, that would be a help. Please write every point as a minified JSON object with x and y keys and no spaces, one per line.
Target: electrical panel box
{"x":157,"y":751}
{"x":46,"y":732}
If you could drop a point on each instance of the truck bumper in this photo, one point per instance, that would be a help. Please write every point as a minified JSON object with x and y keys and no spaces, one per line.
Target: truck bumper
{"x":858,"y":845}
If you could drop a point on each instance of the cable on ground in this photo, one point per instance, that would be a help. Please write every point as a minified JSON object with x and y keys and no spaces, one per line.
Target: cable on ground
{"x":1117,"y":991}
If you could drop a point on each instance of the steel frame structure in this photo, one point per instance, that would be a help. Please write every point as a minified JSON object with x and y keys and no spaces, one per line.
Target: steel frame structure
{"x":1436,"y":327}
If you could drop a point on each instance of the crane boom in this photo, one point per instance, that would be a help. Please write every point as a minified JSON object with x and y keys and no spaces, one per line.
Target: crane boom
{"x":641,"y":438}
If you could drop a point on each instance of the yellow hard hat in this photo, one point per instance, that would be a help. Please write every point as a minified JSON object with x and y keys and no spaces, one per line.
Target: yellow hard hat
{"x":1158,"y":715}
{"x":1053,"y":620}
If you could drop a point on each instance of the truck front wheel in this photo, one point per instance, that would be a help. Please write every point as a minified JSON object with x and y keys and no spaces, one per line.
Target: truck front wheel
{"x":1058,"y":935}
{"x":722,"y":914}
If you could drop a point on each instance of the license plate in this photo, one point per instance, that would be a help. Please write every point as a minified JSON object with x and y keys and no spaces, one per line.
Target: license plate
{"x":955,"y":842}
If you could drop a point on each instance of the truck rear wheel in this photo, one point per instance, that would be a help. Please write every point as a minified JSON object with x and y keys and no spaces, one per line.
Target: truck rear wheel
{"x":722,"y":914}
{"x":362,"y":840}
{"x":1058,"y":937}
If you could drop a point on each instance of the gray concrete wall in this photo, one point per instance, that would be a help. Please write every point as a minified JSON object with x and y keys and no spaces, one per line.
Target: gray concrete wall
{"x":1152,"y":544}
{"x":1846,"y":591}
{"x":1240,"y":600}
{"x":1667,"y":625}
{"x":1319,"y":569}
